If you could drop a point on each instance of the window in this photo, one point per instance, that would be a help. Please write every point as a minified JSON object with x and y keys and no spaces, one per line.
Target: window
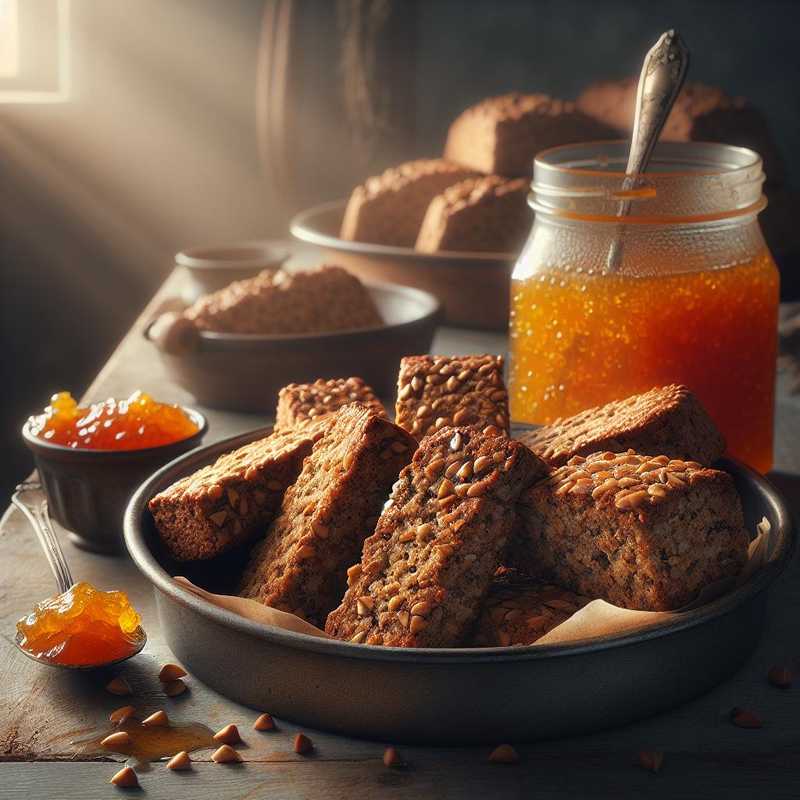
{"x":34,"y":51}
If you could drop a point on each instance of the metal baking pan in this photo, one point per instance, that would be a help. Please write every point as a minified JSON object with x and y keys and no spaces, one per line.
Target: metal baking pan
{"x":450,"y":696}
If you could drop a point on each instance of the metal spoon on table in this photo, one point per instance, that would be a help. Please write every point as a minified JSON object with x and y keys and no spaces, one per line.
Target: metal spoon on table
{"x":29,"y":498}
{"x":663,"y":73}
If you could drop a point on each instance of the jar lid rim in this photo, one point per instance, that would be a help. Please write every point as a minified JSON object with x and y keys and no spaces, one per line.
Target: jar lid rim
{"x":575,"y":159}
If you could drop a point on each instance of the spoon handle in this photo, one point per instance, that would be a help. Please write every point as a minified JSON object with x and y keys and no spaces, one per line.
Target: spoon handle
{"x":663,"y":73}
{"x":30,"y":500}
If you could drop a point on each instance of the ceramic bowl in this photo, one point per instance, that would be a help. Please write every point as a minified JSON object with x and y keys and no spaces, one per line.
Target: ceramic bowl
{"x":213,"y":267}
{"x":87,"y":490}
{"x":473,"y":288}
{"x":239,"y":372}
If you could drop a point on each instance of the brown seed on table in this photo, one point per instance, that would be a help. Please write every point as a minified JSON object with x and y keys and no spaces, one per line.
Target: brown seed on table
{"x":780,"y":676}
{"x":391,"y":758}
{"x":504,"y":754}
{"x":180,"y":761}
{"x":264,"y":723}
{"x":118,"y":739}
{"x":229,"y":735}
{"x":651,"y":760}
{"x":121,"y":715}
{"x":743,"y":718}
{"x":156,"y":719}
{"x":225,"y":755}
{"x":171,"y":672}
{"x":119,"y":686}
{"x":302,"y":744}
{"x":125,"y":778}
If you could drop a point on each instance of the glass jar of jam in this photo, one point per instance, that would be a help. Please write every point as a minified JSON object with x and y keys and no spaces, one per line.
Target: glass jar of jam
{"x":680,"y":290}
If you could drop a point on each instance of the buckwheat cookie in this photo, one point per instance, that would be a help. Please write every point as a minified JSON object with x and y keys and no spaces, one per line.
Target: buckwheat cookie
{"x":299,"y":402}
{"x":643,"y":532}
{"x":325,"y":516}
{"x":231,"y":501}
{"x":439,"y":391}
{"x":323,"y":299}
{"x":519,"y":610}
{"x":425,"y":571}
{"x":667,"y":420}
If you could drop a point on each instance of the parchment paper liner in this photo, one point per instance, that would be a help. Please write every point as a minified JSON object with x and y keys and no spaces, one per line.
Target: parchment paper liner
{"x":598,"y":618}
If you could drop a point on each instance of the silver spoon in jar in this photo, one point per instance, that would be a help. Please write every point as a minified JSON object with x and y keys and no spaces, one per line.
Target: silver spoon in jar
{"x":662,"y":76}
{"x":30,"y":500}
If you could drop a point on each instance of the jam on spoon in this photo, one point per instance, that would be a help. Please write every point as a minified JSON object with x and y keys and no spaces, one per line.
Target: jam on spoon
{"x":81,"y":627}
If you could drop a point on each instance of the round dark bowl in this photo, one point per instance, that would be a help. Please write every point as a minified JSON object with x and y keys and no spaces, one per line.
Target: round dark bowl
{"x":239,"y":372}
{"x":474,"y":288}
{"x":449,"y":696}
{"x":87,"y":490}
{"x":213,"y":267}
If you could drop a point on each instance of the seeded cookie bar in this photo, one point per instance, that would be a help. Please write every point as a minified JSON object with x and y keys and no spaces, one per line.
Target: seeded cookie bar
{"x":299,"y":402}
{"x":519,"y":611}
{"x":426,"y":569}
{"x":325,"y":516}
{"x":230,"y":501}
{"x":327,"y":298}
{"x":667,"y":420}
{"x":643,"y":532}
{"x":438,"y":391}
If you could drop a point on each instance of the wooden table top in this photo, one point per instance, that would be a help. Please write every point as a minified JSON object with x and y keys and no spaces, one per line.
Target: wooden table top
{"x":43,"y":710}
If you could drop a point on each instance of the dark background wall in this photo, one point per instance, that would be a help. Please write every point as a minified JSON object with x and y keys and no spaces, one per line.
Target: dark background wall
{"x":158,"y":146}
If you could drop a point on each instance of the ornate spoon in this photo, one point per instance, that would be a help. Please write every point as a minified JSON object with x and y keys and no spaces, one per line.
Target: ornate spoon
{"x":30,"y":500}
{"x":663,"y":73}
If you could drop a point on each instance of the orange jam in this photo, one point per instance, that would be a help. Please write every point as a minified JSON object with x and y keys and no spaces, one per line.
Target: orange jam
{"x":580,"y":340}
{"x":133,"y":424}
{"x":81,"y":626}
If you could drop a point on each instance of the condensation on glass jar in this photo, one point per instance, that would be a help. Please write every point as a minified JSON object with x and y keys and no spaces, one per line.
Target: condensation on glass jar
{"x":691,"y":296}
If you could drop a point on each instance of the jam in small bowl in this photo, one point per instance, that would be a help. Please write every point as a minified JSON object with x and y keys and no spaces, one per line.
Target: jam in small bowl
{"x":91,"y":459}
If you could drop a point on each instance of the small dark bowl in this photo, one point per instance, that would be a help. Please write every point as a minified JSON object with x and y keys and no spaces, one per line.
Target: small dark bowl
{"x":87,"y":490}
{"x":244,"y":372}
{"x":213,"y":267}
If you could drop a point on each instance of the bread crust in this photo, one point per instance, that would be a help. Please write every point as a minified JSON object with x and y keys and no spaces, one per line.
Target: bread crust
{"x":319,"y":300}
{"x":230,"y":502}
{"x":426,"y":569}
{"x":701,"y":113}
{"x":325,"y":516}
{"x":666,"y":419}
{"x":438,"y":391}
{"x":501,"y":135}
{"x":488,"y":214}
{"x":519,"y":610}
{"x":388,"y":209}
{"x":642,"y":532}
{"x":300,"y":402}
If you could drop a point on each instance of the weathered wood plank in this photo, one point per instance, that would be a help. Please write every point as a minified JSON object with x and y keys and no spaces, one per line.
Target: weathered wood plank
{"x":432,"y":774}
{"x":43,"y":710}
